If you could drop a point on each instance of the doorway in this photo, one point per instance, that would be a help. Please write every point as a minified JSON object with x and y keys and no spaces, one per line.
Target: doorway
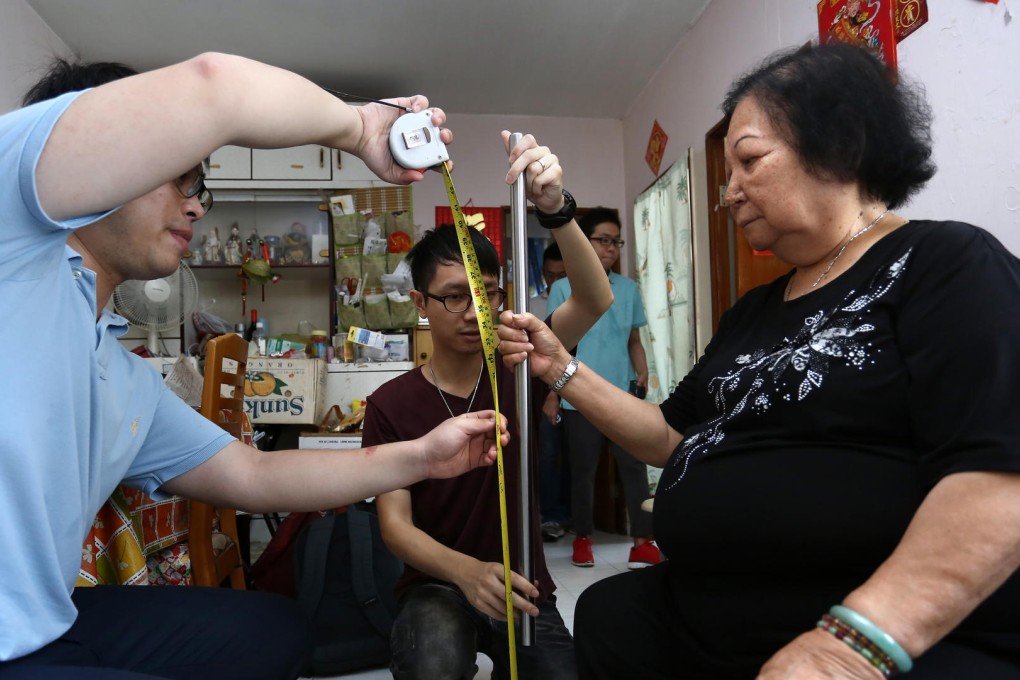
{"x":735,"y":267}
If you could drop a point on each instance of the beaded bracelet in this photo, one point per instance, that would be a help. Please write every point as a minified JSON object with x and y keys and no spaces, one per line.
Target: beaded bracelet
{"x":859,"y":643}
{"x":879,"y":637}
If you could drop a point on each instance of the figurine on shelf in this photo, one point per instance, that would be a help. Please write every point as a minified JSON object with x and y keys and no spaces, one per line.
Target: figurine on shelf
{"x":233,"y":253}
{"x":211,"y":247}
{"x":296,"y":247}
{"x":197,"y":256}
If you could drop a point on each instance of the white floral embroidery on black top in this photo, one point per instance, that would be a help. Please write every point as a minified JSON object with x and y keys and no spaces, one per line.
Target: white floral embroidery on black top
{"x":762,"y":376}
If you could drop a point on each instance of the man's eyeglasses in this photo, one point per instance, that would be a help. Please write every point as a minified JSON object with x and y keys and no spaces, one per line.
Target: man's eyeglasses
{"x":605,"y":241}
{"x":192,"y":183}
{"x":459,"y":302}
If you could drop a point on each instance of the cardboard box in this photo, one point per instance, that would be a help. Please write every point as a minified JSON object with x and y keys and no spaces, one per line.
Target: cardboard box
{"x":284,"y":391}
{"x":318,"y":440}
{"x":397,"y":347}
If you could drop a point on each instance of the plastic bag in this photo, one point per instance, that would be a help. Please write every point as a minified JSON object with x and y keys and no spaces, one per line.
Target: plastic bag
{"x":209,"y":324}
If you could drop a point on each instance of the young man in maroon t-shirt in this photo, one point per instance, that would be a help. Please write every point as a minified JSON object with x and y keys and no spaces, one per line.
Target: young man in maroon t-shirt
{"x":452,"y":594}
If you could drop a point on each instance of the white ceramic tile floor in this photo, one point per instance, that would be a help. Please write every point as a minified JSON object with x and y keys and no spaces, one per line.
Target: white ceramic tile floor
{"x":611,"y":552}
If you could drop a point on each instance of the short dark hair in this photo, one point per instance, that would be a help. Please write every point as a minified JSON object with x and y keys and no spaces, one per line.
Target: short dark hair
{"x":441,"y":246}
{"x":597,"y":216}
{"x":65,"y":76}
{"x":848,"y":117}
{"x":552,"y":252}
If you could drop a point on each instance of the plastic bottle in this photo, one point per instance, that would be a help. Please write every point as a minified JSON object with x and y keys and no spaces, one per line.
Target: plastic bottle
{"x":317,"y":345}
{"x":259,"y":335}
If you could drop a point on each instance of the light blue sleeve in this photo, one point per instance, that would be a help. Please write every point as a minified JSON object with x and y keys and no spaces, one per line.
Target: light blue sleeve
{"x":24,"y":134}
{"x":558,"y":294}
{"x":179,"y":439}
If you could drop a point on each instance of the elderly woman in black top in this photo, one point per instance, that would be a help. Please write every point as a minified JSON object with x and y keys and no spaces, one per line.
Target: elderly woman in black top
{"x":840,"y":496}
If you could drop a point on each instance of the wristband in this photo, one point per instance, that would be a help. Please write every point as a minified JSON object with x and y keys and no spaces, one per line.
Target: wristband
{"x":568,"y":373}
{"x":562,"y":216}
{"x":854,"y":639}
{"x":879,"y":637}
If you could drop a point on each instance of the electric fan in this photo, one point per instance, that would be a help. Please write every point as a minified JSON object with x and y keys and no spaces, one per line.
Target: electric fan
{"x":157,"y":305}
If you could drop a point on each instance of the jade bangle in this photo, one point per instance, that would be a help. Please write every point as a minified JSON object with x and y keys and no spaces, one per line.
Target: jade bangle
{"x":882,"y":639}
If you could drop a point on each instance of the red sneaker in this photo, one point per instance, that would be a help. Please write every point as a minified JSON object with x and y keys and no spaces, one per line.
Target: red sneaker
{"x":644,"y":555}
{"x":582,"y":552}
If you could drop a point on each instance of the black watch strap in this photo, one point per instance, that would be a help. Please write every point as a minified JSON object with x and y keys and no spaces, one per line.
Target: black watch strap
{"x":562,"y":216}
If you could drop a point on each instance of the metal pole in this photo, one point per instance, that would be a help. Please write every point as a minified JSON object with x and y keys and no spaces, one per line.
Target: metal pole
{"x":522,"y":378}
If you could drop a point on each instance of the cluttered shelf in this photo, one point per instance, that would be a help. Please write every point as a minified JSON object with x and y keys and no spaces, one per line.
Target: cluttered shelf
{"x":324,"y":265}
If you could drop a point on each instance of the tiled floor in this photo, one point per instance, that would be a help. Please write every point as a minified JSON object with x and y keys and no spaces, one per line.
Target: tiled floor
{"x":611,"y":553}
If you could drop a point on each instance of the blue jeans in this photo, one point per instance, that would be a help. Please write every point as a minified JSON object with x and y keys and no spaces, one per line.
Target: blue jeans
{"x":438,"y":634}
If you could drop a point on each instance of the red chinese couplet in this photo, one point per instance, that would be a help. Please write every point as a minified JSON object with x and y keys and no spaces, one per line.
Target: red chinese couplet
{"x":865,"y":23}
{"x":910,"y":15}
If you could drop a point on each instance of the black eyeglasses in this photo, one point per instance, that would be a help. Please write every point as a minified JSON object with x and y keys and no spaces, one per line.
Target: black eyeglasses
{"x":605,"y":241}
{"x":192,"y":183}
{"x":456,"y":303}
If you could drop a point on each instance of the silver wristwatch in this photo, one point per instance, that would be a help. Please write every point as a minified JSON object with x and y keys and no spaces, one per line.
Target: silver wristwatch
{"x":568,"y":373}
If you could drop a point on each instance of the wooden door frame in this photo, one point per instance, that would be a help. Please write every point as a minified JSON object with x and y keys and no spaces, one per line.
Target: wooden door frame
{"x":718,"y":223}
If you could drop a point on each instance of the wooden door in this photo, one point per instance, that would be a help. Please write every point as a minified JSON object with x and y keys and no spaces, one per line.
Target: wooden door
{"x":735,"y":267}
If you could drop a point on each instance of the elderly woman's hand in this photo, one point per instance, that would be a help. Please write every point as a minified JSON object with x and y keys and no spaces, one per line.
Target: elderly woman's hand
{"x":818,"y":656}
{"x":523,"y":336}
{"x":544,"y":184}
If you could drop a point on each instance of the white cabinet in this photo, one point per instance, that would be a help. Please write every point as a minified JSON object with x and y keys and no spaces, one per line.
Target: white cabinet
{"x":300,"y":167}
{"x":300,"y":162}
{"x":349,"y":167}
{"x":230,"y":162}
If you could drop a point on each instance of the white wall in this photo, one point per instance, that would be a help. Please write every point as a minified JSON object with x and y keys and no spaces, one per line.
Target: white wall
{"x":965,"y":56}
{"x":26,"y":47}
{"x":957,"y":55}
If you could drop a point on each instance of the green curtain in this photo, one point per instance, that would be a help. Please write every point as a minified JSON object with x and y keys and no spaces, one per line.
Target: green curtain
{"x":665,"y":273}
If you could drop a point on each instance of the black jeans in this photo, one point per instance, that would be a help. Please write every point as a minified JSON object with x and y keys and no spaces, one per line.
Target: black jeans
{"x":553,"y":472}
{"x":438,"y":634}
{"x":584,"y":442}
{"x":135,"y":632}
{"x":630,"y":626}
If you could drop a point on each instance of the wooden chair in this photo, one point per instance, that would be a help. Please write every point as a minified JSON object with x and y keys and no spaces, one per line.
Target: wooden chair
{"x":216,"y":553}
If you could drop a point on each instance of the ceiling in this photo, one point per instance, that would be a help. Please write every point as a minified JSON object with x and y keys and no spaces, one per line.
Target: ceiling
{"x":583,"y":58}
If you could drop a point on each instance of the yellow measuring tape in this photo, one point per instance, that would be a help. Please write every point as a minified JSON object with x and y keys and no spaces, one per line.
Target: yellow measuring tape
{"x":485,"y":327}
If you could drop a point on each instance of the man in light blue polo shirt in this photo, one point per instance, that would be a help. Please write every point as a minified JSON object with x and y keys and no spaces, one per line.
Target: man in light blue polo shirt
{"x":103,"y":186}
{"x":612,"y":348}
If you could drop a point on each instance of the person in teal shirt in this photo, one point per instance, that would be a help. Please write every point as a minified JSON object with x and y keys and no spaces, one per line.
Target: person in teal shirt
{"x":612,"y":348}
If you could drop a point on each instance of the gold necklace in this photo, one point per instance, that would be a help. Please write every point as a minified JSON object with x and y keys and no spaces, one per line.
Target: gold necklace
{"x":832,"y":262}
{"x":439,"y":389}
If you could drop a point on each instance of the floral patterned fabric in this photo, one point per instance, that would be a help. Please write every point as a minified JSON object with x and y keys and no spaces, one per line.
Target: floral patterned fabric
{"x":136,"y":540}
